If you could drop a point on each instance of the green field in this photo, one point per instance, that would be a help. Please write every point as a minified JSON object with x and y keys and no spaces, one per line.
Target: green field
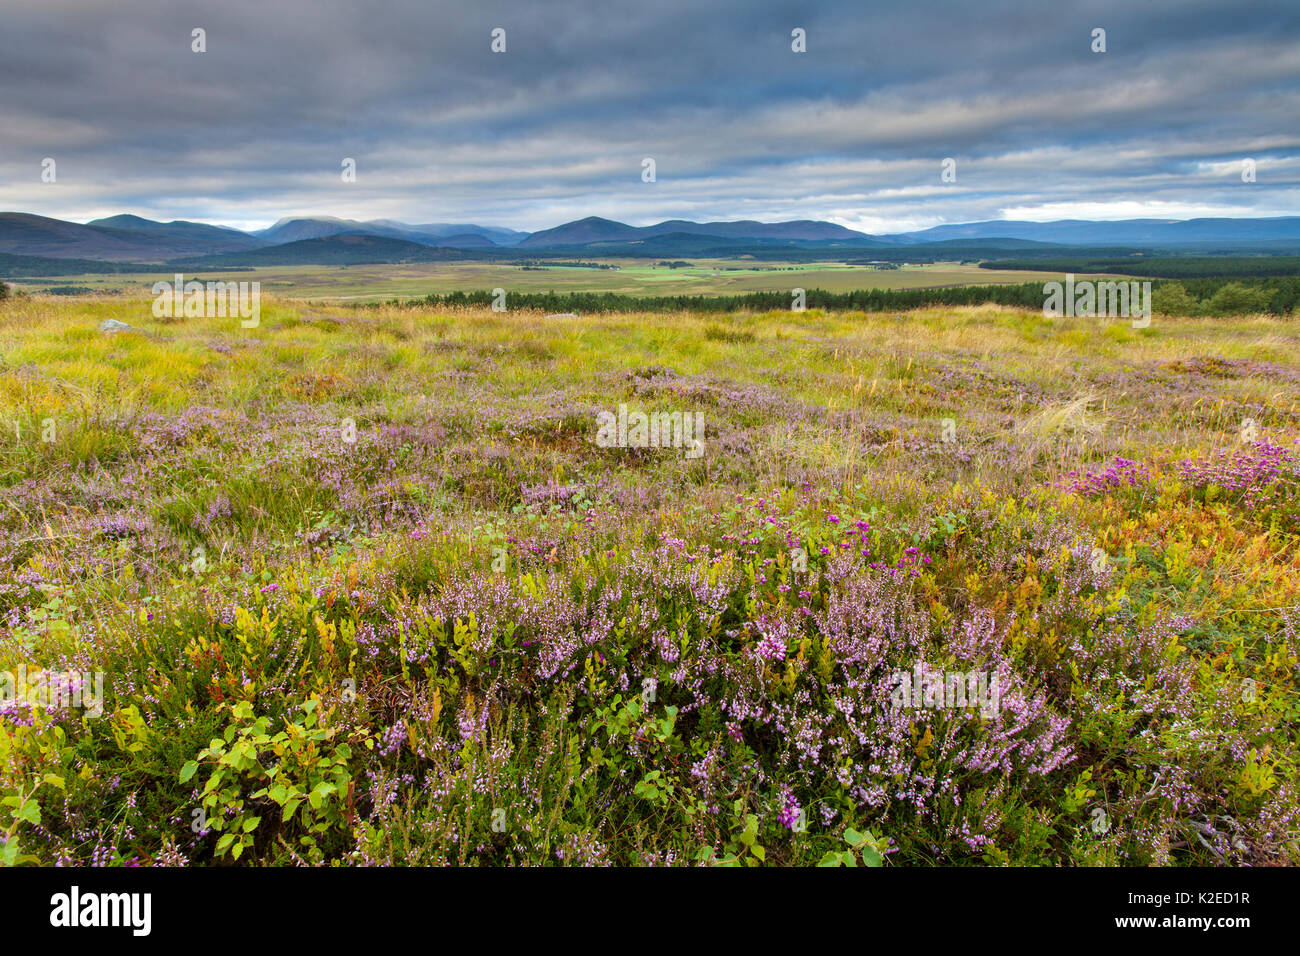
{"x":704,"y":277}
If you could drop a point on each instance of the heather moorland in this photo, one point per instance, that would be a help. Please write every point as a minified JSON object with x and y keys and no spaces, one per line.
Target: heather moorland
{"x":360,"y":585}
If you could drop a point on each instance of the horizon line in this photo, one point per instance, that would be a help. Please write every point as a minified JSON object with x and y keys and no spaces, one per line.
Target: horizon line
{"x":526,"y":232}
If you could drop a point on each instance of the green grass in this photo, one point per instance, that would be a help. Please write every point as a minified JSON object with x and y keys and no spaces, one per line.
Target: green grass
{"x":705,"y":277}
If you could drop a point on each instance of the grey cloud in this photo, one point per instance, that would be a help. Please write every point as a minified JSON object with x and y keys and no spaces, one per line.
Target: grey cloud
{"x":443,"y":129}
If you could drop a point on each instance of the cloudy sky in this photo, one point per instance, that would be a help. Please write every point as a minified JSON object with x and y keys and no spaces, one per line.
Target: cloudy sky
{"x":855,"y":130}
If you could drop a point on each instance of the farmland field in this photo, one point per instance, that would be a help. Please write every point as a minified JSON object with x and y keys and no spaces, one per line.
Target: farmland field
{"x":363,"y":586}
{"x":633,"y":276}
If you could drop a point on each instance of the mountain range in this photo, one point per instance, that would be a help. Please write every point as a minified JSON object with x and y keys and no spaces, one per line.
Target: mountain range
{"x":430,"y":234}
{"x":326,"y":240}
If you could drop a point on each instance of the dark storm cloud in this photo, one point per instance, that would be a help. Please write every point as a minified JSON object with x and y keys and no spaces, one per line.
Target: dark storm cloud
{"x":739,"y":126}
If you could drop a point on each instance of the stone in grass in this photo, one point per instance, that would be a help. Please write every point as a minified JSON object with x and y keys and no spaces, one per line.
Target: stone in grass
{"x":563,"y":315}
{"x":112,"y":325}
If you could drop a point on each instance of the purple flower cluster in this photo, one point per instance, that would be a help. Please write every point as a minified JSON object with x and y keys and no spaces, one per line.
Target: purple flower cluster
{"x":1120,"y":473}
{"x":1260,"y":474}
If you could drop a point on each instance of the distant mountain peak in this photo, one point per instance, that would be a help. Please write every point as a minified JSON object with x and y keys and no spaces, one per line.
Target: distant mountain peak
{"x":597,"y":229}
{"x":127,"y":237}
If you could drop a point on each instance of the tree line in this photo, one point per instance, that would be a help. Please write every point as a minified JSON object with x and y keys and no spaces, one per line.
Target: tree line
{"x":1213,"y":296}
{"x":1027,"y":295}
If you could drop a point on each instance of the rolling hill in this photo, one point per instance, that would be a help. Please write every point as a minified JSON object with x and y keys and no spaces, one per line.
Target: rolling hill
{"x":345,"y":249}
{"x":179,"y":232}
{"x":305,"y":240}
{"x":593,"y":229}
{"x":431,"y":234}
{"x":445,"y":230}
{"x":136,"y":241}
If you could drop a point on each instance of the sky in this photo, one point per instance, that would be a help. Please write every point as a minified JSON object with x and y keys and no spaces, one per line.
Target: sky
{"x":740,"y":126}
